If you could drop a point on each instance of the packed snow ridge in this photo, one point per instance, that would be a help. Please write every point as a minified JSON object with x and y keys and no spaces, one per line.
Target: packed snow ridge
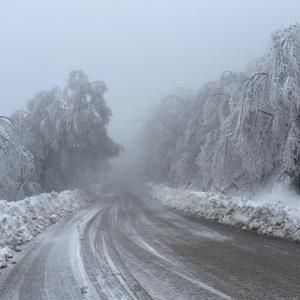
{"x":261,"y":214}
{"x":22,"y":220}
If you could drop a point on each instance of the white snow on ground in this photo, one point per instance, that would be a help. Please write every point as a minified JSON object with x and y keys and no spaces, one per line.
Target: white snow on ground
{"x":20,"y":221}
{"x":272,"y":213}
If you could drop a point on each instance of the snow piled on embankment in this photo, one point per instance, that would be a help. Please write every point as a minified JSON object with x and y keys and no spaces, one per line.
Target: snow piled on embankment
{"x":262,"y":213}
{"x":20,"y":221}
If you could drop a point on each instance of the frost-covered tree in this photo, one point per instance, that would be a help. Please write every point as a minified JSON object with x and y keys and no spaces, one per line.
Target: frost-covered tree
{"x":66,"y":132}
{"x":239,"y":131}
{"x":162,"y":131}
{"x":17,"y":171}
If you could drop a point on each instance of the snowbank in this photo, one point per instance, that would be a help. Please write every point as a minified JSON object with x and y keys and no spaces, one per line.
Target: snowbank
{"x":20,"y":221}
{"x":265,"y":217}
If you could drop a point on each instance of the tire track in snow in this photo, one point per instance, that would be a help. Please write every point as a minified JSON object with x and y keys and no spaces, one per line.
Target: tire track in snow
{"x":105,"y":268}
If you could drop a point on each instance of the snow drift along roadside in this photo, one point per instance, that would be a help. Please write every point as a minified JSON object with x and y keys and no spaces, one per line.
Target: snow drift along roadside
{"x":273,"y":219}
{"x":20,"y":221}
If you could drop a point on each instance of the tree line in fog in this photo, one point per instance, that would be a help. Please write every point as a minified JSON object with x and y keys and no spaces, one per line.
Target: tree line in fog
{"x":235,"y":133}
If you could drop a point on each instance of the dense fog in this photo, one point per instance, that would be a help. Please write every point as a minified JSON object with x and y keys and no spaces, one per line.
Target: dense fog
{"x":149,"y":149}
{"x":141,"y":50}
{"x":62,"y":128}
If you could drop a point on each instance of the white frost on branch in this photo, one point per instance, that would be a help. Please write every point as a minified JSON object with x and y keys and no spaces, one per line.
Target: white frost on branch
{"x":235,"y":133}
{"x":65,"y":130}
{"x":16,"y":164}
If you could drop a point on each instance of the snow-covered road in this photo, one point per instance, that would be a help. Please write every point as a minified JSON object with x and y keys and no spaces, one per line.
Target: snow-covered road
{"x":129,"y":247}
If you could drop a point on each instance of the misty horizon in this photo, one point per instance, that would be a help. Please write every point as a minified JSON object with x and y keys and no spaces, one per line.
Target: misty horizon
{"x":142,"y":51}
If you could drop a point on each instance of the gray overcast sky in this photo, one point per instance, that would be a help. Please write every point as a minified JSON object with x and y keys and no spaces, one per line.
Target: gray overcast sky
{"x":142,"y":49}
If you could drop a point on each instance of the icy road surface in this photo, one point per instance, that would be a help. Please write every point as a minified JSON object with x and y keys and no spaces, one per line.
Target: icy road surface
{"x":130,"y":247}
